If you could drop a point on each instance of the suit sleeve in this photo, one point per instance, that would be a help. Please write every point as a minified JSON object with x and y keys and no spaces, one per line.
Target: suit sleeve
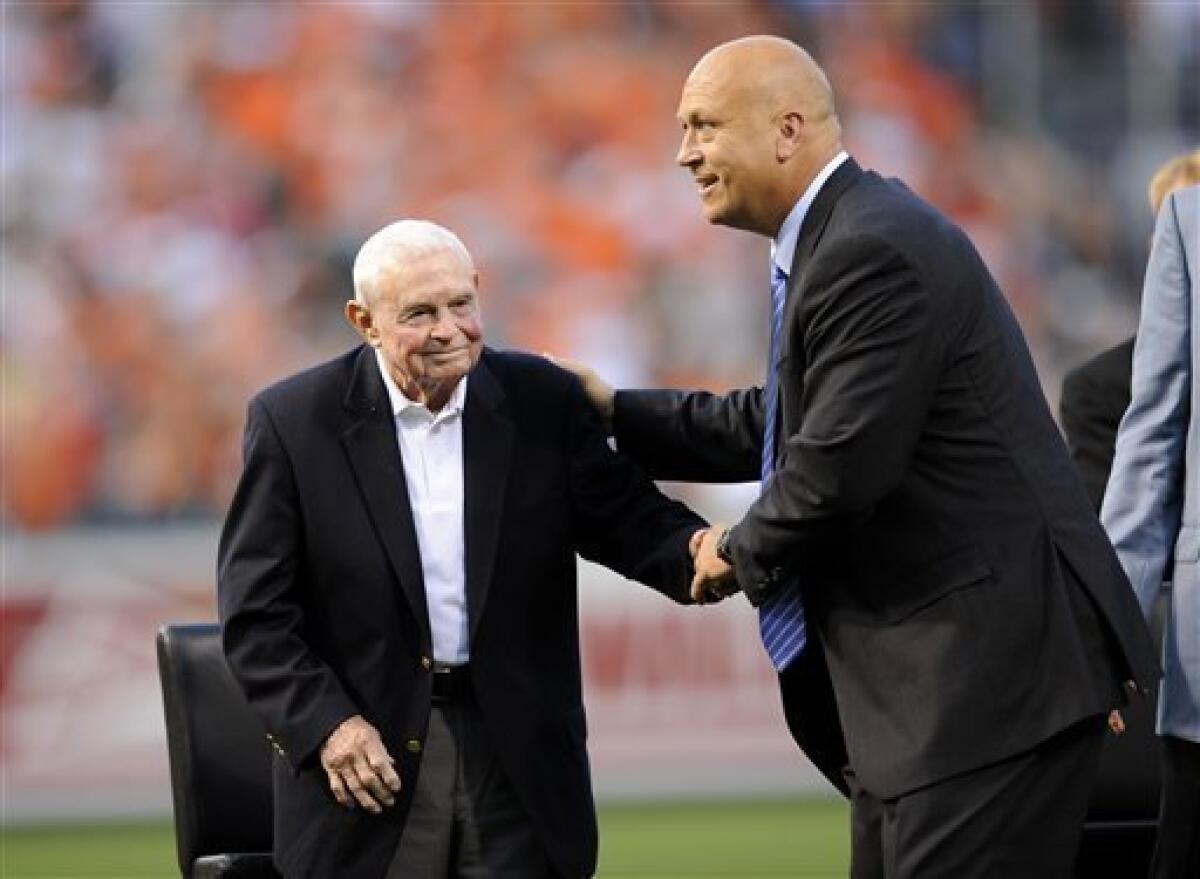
{"x":259,"y":591}
{"x":872,"y":356}
{"x":1144,"y":498}
{"x":622,"y":520}
{"x":692,"y":437}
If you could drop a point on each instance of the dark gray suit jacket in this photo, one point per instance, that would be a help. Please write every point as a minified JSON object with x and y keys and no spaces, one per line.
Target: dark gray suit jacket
{"x":1095,"y":396}
{"x":969,"y":604}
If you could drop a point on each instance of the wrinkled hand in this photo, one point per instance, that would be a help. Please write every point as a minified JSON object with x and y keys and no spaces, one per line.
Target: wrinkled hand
{"x":714,"y":578}
{"x":599,"y":392}
{"x":359,"y":767}
{"x":1116,"y":723}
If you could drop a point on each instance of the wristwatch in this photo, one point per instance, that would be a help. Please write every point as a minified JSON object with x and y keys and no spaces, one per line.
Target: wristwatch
{"x":722,"y":548}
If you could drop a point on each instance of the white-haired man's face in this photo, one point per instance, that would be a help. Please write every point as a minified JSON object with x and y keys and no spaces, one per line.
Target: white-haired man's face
{"x":424,"y":318}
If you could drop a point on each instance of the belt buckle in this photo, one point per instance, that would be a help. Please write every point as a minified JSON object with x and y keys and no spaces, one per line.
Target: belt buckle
{"x":449,"y":683}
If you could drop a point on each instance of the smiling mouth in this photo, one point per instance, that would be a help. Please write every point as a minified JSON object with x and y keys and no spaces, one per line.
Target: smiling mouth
{"x":706,"y":184}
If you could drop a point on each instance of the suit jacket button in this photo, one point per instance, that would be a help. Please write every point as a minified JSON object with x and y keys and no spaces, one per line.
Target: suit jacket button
{"x":426,"y":663}
{"x":413,"y":746}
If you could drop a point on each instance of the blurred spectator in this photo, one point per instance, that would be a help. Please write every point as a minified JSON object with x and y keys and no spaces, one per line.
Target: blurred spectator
{"x":182,"y":181}
{"x":1096,"y":394}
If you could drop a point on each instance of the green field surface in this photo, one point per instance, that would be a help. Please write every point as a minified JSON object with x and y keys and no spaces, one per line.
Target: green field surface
{"x":733,"y":839}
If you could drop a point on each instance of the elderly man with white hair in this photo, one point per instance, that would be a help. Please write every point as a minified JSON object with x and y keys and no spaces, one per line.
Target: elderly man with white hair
{"x":397,"y":585}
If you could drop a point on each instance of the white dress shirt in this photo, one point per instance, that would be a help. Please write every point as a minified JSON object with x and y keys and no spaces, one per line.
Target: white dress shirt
{"x":432,"y":451}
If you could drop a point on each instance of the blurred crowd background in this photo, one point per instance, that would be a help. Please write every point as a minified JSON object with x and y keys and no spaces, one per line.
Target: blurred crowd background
{"x":185,"y":185}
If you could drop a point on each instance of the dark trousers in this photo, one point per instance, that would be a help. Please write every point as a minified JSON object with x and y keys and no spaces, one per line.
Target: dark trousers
{"x":466,"y":820}
{"x":1177,"y":846}
{"x":1021,"y":818}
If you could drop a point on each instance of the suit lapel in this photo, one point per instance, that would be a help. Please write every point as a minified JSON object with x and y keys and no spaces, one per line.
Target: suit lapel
{"x":811,"y":230}
{"x":791,"y":380}
{"x":819,"y":213}
{"x":488,"y":434}
{"x":374,"y":454}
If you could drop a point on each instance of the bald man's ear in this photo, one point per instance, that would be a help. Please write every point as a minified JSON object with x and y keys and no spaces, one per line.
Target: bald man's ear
{"x":359,"y":317}
{"x":789,"y":136}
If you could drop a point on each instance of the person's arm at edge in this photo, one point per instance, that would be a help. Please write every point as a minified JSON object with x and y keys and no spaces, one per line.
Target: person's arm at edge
{"x":1143,"y":500}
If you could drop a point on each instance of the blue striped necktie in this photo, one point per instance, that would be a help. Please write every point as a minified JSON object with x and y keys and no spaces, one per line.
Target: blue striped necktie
{"x":780,"y":617}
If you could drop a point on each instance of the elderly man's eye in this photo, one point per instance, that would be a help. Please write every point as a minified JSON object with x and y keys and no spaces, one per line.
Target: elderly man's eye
{"x":414,"y":317}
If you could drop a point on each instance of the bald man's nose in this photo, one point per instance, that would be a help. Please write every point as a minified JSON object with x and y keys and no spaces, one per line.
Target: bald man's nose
{"x":688,"y":155}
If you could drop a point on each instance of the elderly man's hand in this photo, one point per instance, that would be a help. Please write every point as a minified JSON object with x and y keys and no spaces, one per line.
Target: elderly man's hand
{"x":714,"y":578}
{"x":599,"y":392}
{"x":359,"y":767}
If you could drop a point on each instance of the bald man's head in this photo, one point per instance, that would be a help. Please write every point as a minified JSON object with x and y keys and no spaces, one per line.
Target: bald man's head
{"x":759,"y":123}
{"x":774,"y":71}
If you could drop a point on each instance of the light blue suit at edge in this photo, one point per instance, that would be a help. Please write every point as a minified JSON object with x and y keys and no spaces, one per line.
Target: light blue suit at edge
{"x":1152,"y":504}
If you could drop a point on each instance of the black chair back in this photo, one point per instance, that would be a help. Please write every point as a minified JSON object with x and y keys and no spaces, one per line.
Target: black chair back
{"x":220,"y":759}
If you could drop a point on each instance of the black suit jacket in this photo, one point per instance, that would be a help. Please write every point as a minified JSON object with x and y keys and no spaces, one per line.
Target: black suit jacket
{"x":323,"y":605}
{"x":962,"y":587}
{"x":1095,"y":396}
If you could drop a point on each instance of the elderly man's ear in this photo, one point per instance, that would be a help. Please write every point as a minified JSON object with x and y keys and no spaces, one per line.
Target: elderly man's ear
{"x":359,"y":317}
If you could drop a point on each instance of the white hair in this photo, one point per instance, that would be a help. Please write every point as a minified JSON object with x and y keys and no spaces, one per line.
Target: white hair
{"x":386,"y":252}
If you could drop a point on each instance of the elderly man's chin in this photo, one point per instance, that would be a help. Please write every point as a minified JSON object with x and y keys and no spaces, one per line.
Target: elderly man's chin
{"x":445,"y":365}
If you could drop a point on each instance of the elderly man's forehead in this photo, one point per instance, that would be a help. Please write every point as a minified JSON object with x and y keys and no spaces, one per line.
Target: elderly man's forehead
{"x":401,"y":260}
{"x":406,"y":270}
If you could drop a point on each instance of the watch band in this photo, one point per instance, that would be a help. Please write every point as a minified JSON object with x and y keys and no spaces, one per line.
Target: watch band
{"x":723,"y":551}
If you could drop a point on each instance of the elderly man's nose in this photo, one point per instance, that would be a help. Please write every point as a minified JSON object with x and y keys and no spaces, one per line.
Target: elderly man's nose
{"x":444,"y":326}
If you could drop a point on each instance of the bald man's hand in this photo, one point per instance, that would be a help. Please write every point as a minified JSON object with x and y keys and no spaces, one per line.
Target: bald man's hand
{"x":714,"y":579}
{"x":1116,"y":723}
{"x":599,"y":392}
{"x":358,"y":766}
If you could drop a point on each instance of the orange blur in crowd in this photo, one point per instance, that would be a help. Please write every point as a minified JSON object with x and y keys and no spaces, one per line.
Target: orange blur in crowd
{"x":187,"y":185}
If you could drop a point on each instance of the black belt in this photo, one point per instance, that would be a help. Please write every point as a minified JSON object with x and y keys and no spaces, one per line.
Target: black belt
{"x":452,"y":683}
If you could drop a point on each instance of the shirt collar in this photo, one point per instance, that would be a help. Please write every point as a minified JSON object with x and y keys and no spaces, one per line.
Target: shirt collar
{"x":783,"y":248}
{"x":400,"y":403}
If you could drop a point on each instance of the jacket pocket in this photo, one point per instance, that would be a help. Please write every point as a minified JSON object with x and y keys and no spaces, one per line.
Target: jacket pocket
{"x":916,"y":589}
